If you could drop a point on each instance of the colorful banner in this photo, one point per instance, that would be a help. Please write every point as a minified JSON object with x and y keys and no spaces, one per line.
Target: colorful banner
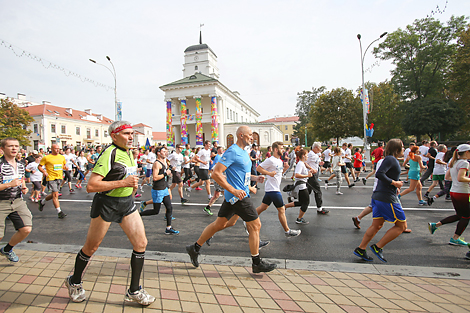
{"x":215,"y":120}
{"x":366,"y":97}
{"x":119,"y":111}
{"x":184,"y":132}
{"x":199,"y":138}
{"x":170,"y":136}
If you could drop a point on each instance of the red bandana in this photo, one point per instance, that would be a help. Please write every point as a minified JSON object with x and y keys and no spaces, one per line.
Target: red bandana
{"x":121,"y":128}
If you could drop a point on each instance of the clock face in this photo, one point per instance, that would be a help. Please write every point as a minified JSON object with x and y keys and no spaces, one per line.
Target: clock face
{"x":196,"y":58}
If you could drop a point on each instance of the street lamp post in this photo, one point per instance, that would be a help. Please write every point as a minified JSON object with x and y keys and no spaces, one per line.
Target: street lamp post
{"x":113,"y":72}
{"x":364,"y":107}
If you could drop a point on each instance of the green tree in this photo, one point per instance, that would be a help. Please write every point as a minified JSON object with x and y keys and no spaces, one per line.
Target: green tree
{"x":13,"y":122}
{"x":432,"y":117}
{"x":385,"y":111}
{"x":305,"y":102}
{"x":336,"y":114}
{"x":422,"y":55}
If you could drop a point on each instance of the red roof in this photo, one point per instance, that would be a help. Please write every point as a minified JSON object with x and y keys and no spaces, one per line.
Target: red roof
{"x":159,"y":136}
{"x":141,"y":125}
{"x":52,"y":110}
{"x":282,"y":119}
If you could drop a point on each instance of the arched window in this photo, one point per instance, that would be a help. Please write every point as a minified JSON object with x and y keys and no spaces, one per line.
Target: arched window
{"x":196,"y":68}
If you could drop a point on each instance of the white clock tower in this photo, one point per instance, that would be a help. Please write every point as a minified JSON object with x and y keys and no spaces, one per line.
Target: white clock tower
{"x":200,"y":59}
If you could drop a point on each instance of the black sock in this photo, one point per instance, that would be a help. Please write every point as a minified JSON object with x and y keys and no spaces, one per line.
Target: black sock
{"x":7,"y":248}
{"x":208,"y":207}
{"x":81,"y":262}
{"x":137,"y":263}
{"x":256,"y":259}
{"x":197,"y":247}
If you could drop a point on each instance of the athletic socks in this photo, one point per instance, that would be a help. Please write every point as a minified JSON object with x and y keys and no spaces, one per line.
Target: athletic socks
{"x":137,"y":263}
{"x":358,"y":219}
{"x":7,"y":248}
{"x":58,"y":210}
{"x":81,"y":262}
{"x":197,"y":247}
{"x":256,"y":259}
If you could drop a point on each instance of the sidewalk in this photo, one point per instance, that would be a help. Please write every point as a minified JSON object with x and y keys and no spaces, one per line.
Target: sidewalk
{"x":220,"y":284}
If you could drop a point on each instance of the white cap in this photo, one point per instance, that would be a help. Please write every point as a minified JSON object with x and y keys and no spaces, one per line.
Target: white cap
{"x":463,"y":147}
{"x":35,"y":151}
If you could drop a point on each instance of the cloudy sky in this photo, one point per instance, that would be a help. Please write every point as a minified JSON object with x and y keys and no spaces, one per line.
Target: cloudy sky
{"x":267,"y":50}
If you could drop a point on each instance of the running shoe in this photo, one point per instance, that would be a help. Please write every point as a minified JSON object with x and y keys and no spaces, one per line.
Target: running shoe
{"x":138,"y":195}
{"x":72,"y":191}
{"x":263,"y":243}
{"x":193,"y":254}
{"x":41,"y":205}
{"x":426,"y":195}
{"x":378,"y":252}
{"x":208,"y":242}
{"x":289,"y":200}
{"x":140,"y":296}
{"x":76,"y":291}
{"x":432,"y":228}
{"x":458,"y":242}
{"x":263,"y":267}
{"x":198,"y":188}
{"x":188,"y":189}
{"x":183,"y":200}
{"x":362,"y":253}
{"x":292,"y":233}
{"x":60,"y":194}
{"x":142,"y":206}
{"x":322,"y":211}
{"x":356,"y":222}
{"x":326,"y":185}
{"x":11,"y":256}
{"x":430,"y":201}
{"x":448,"y":199}
{"x":208,"y":211}
{"x":339,"y":193}
{"x":171,"y":231}
{"x":422,"y":202}
{"x":301,"y":221}
{"x":352,"y":185}
{"x":364,"y":181}
{"x":61,"y":214}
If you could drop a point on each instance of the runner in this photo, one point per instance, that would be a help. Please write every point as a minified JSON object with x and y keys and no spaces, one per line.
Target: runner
{"x":176,"y":160}
{"x":113,"y":180}
{"x":55,"y":164}
{"x":439,"y":171}
{"x":357,"y":162}
{"x":336,"y":165}
{"x":413,"y":174}
{"x":35,"y":177}
{"x":218,"y":189}
{"x":187,"y":166}
{"x":313,"y":163}
{"x":204,"y":158}
{"x":327,"y":158}
{"x":81,"y":166}
{"x":431,"y":156}
{"x":69,"y":162}
{"x":12,"y":205}
{"x":237,"y":166}
{"x":385,"y":203}
{"x":377,"y":154}
{"x":348,"y":158}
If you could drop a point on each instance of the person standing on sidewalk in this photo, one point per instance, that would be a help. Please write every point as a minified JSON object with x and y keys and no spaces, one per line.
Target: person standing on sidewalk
{"x":385,"y":203}
{"x":12,"y":186}
{"x":236,"y":164}
{"x":55,"y":165}
{"x":114,"y":179}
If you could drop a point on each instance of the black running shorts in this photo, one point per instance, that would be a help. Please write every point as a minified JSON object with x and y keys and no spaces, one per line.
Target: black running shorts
{"x":112,"y":209}
{"x":243,"y":208}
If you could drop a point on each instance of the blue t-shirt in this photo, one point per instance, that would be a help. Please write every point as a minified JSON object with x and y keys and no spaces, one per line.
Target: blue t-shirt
{"x":216,"y":159}
{"x":238,"y":170}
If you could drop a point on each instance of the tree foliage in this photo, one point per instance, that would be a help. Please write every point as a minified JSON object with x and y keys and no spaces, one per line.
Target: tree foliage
{"x":305,"y":102}
{"x":13,"y":121}
{"x":422,"y":54}
{"x":336,"y":114}
{"x":431,"y":117}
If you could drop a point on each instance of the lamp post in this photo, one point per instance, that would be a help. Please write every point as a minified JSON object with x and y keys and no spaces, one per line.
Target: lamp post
{"x":113,"y":72}
{"x":364,"y":108}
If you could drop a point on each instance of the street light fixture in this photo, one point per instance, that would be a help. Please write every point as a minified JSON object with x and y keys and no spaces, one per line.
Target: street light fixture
{"x":364,"y":107}
{"x":113,"y":72}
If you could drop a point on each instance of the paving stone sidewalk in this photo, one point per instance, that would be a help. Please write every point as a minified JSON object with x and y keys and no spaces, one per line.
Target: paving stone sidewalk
{"x":36,"y":284}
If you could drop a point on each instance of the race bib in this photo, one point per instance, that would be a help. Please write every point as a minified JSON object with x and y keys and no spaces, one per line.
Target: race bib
{"x":8,"y":179}
{"x":57,"y":167}
{"x":247,"y":179}
{"x":131,"y":171}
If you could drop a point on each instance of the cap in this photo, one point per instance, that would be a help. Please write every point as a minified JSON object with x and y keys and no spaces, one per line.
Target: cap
{"x":35,"y":151}
{"x":463,"y":147}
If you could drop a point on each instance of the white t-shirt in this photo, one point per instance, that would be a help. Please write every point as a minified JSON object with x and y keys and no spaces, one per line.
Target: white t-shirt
{"x":313,"y":160}
{"x":151,"y":157}
{"x":376,"y":180}
{"x":68,"y":160}
{"x":273,"y":164}
{"x":191,"y":156}
{"x":204,"y":155}
{"x":37,"y":175}
{"x":302,"y":170}
{"x":405,"y":154}
{"x":424,"y":150}
{"x":82,"y":161}
{"x":439,"y":169}
{"x":347,"y":154}
{"x":334,"y":162}
{"x":186,"y":159}
{"x":326,"y":155}
{"x":343,"y":154}
{"x":459,"y":187}
{"x":176,"y":159}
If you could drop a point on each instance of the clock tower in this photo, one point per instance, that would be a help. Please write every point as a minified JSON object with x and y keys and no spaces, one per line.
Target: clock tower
{"x":200,"y":59}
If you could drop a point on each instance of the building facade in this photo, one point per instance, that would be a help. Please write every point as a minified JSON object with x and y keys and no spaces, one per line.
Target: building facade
{"x":286,"y":126}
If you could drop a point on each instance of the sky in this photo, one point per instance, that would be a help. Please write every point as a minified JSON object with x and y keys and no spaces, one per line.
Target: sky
{"x":268,"y":50}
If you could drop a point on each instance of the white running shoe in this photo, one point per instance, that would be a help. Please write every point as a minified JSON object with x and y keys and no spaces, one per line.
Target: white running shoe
{"x":76,"y":291}
{"x":339,"y":193}
{"x":140,"y":296}
{"x":292,"y":233}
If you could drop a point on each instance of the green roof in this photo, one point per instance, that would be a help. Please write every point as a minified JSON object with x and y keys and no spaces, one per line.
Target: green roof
{"x":195,"y":78}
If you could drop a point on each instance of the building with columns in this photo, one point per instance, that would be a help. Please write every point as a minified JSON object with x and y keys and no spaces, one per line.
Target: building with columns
{"x":199,"y":107}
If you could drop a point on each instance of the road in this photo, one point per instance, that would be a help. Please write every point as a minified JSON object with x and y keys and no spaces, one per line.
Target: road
{"x":329,"y":237}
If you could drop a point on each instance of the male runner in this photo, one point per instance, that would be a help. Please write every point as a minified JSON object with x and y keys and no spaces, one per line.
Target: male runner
{"x":176,"y":160}
{"x":114,"y":179}
{"x":55,"y":164}
{"x":313,"y":163}
{"x":204,"y":157}
{"x":237,"y":166}
{"x":12,"y":186}
{"x":378,"y":154}
{"x":69,"y":162}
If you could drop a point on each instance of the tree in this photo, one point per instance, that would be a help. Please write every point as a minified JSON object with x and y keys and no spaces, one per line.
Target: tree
{"x":305,"y":102}
{"x":336,"y":114}
{"x":13,"y":122}
{"x":432,"y":117}
{"x":385,"y":111}
{"x":422,"y":54}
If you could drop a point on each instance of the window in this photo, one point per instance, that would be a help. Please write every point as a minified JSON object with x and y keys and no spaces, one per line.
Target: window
{"x":195,"y":68}
{"x":78,"y":143}
{"x":285,"y":127}
{"x":35,"y":129}
{"x":88,"y":133}
{"x":106,"y":133}
{"x":286,"y":137}
{"x":63,"y":129}
{"x":228,"y":113}
{"x":97,"y":133}
{"x":77,"y":130}
{"x":52,"y":128}
{"x":236,"y":117}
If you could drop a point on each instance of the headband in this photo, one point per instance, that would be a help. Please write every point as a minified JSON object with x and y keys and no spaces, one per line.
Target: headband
{"x":121,"y":128}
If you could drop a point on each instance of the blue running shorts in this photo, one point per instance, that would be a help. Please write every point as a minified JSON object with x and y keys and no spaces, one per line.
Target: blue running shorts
{"x":391,"y":212}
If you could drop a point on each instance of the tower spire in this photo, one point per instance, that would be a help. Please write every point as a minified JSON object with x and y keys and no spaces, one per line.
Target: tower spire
{"x":200,"y":33}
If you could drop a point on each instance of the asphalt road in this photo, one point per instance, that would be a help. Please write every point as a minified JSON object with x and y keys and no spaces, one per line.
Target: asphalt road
{"x":329,"y":237}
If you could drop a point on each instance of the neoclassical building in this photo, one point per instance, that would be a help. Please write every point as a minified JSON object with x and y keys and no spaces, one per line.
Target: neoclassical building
{"x":199,"y":107}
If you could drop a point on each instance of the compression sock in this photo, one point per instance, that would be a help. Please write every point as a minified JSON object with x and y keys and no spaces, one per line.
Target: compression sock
{"x":7,"y":248}
{"x":137,"y":263}
{"x":197,"y":247}
{"x":81,"y":262}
